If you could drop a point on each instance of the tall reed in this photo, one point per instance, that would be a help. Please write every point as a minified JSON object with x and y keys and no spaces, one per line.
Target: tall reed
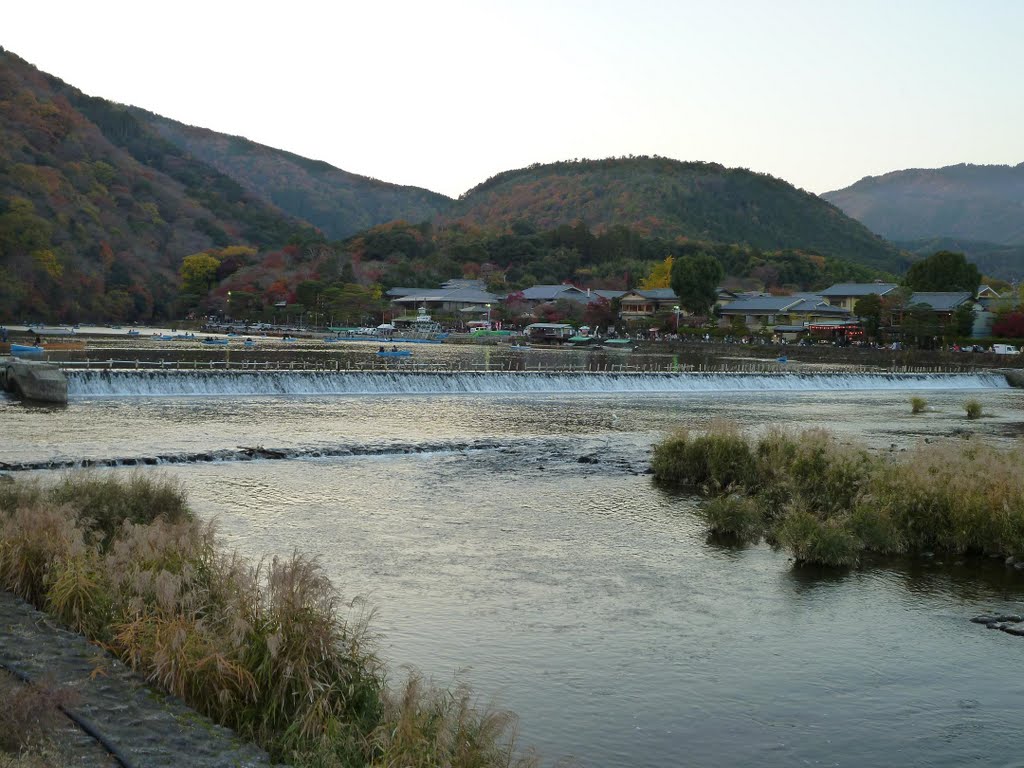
{"x":826,"y":502}
{"x":270,"y":648}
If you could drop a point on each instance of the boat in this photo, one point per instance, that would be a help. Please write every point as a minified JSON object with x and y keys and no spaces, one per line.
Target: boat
{"x":216,"y":342}
{"x":132,"y":332}
{"x":782,"y":359}
{"x":249,"y":343}
{"x":23,"y":350}
{"x":64,"y":346}
{"x":394,"y":353}
{"x":623,"y":345}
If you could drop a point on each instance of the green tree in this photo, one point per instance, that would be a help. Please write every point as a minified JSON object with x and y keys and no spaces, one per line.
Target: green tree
{"x":695,"y":280}
{"x":198,"y":272}
{"x":943,"y":271}
{"x":869,"y":310}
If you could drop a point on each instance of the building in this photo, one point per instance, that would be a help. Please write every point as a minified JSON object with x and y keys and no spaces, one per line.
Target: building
{"x":544,"y":294}
{"x":846,"y":295}
{"x":637,"y":304}
{"x":442,"y":299}
{"x":761,"y":312}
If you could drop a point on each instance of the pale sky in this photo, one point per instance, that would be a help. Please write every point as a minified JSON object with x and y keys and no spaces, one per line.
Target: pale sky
{"x":443,"y":93}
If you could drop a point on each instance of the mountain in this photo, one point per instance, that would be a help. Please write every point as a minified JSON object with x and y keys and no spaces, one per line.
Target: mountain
{"x":336,"y":201}
{"x":97,"y":210}
{"x":667,"y":198}
{"x":995,"y":260}
{"x":982,"y":203}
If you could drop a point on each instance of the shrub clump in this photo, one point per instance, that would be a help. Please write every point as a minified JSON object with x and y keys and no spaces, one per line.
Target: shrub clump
{"x":718,"y":459}
{"x":973,"y":408}
{"x":826,"y":502}
{"x":918,"y":405}
{"x":735,"y":515}
{"x":270,"y":649}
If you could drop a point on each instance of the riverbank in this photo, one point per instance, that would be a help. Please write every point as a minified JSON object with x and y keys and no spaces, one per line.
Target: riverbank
{"x":268,"y":649}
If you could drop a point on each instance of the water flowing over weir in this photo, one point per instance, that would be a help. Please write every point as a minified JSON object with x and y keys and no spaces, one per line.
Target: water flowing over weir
{"x":116,"y":383}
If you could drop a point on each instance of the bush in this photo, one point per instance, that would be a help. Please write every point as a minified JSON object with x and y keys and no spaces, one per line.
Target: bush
{"x":818,"y":542}
{"x":734,"y":515}
{"x":719,"y":459}
{"x":918,"y":405}
{"x":973,"y":408}
{"x":825,"y":501}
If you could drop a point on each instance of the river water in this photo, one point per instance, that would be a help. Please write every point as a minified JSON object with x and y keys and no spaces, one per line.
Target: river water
{"x":578,"y":593}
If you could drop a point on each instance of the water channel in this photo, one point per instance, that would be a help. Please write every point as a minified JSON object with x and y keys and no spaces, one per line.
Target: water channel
{"x":578,"y":593}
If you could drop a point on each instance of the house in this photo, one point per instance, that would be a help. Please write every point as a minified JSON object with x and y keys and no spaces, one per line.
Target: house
{"x":543,"y":294}
{"x":441,"y":299}
{"x":769,"y":311}
{"x":638,"y":304}
{"x":846,"y":295}
{"x":943,"y":303}
{"x":549,"y":332}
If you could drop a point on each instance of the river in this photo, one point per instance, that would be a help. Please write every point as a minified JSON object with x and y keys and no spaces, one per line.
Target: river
{"x":576,"y":592}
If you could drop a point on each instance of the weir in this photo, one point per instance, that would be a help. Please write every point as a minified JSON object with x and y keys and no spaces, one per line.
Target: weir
{"x":121,"y":383}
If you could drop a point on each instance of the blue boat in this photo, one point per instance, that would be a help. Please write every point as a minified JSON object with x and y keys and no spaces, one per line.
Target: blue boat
{"x":132,"y":332}
{"x":394,"y":353}
{"x":21,"y":350}
{"x":216,"y":342}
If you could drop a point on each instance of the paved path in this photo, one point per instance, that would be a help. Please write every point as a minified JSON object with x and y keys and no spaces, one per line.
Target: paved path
{"x":150,"y":728}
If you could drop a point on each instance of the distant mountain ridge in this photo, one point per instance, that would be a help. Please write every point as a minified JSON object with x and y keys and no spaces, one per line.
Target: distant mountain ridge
{"x":982,"y":203}
{"x":100,"y":202}
{"x":337,"y":202}
{"x":97,"y":210}
{"x":669,"y":198}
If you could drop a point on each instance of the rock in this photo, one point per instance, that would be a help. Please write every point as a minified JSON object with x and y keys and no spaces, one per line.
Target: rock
{"x":1013,"y":629}
{"x":590,"y":459}
{"x":1010,"y":560}
{"x":983,"y":619}
{"x":1019,"y":565}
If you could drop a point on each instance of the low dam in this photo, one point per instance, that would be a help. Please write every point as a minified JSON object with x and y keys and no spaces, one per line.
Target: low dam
{"x":227,"y":383}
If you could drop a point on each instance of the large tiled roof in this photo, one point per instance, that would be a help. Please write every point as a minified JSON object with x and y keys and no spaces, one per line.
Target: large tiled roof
{"x":799,"y":304}
{"x":857,"y":289}
{"x":940,"y":301}
{"x":465,"y":295}
{"x":552,"y":292}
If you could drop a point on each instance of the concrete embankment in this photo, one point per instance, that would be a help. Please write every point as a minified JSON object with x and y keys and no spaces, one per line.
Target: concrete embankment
{"x":143,"y":727}
{"x":33,"y":380}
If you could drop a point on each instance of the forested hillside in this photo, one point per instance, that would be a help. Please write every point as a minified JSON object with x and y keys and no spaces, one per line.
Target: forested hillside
{"x":337,"y":202}
{"x":667,"y":198}
{"x":1001,"y":261}
{"x":97,"y":210}
{"x":982,"y":203}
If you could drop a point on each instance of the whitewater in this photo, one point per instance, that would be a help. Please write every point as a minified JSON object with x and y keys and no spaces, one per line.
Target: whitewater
{"x":114,"y":383}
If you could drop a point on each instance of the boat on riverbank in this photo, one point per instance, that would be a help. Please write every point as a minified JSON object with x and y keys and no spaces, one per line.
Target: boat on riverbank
{"x":394,"y":353}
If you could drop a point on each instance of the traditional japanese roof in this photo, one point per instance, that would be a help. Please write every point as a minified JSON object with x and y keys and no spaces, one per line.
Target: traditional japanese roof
{"x":774,"y":305}
{"x":940,"y":301}
{"x":840,"y":290}
{"x":552,"y":292}
{"x":455,"y":295}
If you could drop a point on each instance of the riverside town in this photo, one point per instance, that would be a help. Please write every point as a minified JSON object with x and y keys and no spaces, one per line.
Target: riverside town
{"x":622,"y":462}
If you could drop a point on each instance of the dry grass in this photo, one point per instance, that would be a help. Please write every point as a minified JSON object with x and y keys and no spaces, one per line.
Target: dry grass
{"x":29,"y":715}
{"x":270,"y":649}
{"x":827,"y":502}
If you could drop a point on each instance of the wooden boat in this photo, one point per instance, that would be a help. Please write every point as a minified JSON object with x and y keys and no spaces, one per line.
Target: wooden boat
{"x":64,"y":346}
